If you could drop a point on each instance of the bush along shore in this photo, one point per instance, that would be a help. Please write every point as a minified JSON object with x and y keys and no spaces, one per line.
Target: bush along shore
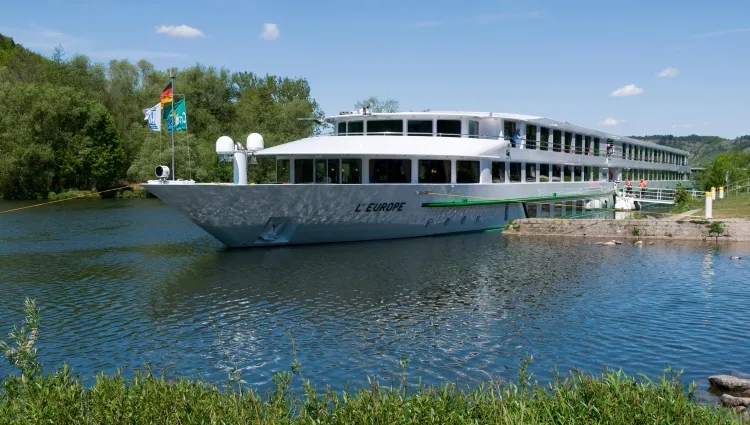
{"x":610,"y":398}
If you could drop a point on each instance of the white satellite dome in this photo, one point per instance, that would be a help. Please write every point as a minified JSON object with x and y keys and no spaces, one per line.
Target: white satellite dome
{"x":224,"y":145}
{"x":254,"y":142}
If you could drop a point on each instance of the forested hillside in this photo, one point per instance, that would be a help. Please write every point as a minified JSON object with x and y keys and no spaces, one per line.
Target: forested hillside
{"x":69,"y":123}
{"x":702,"y":148}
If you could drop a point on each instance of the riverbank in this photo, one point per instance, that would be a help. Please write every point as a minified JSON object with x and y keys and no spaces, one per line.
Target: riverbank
{"x":734,"y":229}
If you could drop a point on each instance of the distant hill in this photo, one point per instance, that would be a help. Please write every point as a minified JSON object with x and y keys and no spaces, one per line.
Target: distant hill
{"x":702,"y":148}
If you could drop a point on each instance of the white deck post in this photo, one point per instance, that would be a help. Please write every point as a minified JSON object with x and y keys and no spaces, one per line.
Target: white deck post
{"x":709,"y":206}
{"x":721,"y":192}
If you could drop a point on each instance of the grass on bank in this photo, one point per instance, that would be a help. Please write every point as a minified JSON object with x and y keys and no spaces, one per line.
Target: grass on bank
{"x":127,"y":193}
{"x":611,"y":398}
{"x":732,"y":206}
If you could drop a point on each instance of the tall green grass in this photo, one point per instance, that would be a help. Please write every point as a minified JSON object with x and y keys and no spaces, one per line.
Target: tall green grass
{"x":610,"y":398}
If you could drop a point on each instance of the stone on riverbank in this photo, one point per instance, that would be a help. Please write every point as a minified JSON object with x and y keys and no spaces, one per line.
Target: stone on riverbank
{"x":730,"y":383}
{"x":736,"y":229}
{"x":729,"y":400}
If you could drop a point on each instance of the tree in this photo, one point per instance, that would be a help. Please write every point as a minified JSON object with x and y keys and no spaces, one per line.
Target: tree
{"x":734,"y":164}
{"x":377,"y":105}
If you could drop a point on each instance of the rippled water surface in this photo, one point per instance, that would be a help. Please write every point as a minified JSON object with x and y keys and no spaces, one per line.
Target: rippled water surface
{"x":124,"y":283}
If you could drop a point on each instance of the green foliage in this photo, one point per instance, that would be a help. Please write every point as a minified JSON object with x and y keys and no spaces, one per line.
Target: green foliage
{"x":68,"y":123}
{"x":18,"y":349}
{"x":702,"y":148}
{"x":636,"y":231}
{"x":736,"y":164}
{"x":716,"y":228}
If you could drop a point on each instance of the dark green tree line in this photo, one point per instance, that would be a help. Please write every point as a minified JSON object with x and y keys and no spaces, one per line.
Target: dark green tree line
{"x":68,"y":123}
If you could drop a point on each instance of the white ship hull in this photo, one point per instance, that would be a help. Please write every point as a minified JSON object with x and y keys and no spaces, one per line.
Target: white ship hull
{"x":267,"y":215}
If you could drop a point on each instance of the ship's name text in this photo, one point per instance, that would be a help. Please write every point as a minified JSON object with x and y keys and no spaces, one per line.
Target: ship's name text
{"x":383,"y":206}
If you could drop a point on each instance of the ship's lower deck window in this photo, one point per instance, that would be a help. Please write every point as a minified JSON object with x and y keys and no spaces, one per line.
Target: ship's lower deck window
{"x":342,"y":128}
{"x":434,"y":171}
{"x":449,"y":128}
{"x":556,"y":173}
{"x":390,"y":171}
{"x":419,"y":128}
{"x":304,"y":171}
{"x":351,"y":171}
{"x":498,"y":172}
{"x":515,"y":172}
{"x":467,"y":171}
{"x":530,"y":172}
{"x":385,"y":126}
{"x":543,"y":172}
{"x":568,"y":173}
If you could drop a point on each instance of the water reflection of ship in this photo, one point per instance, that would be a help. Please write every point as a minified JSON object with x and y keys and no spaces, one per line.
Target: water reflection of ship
{"x":427,"y":273}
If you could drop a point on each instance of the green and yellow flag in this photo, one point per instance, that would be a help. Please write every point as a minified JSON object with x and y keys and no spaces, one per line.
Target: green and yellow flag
{"x":179,"y":114}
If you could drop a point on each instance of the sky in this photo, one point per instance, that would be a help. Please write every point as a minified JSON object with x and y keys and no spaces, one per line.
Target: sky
{"x":627,"y":67}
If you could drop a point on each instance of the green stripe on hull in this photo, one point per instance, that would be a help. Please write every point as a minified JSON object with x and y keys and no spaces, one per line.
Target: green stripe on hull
{"x":469,"y":203}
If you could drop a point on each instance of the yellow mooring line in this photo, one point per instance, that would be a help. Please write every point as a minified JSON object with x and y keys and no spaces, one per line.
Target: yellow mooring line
{"x":63,"y":200}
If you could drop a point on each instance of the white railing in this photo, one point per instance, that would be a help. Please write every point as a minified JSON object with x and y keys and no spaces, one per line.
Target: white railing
{"x":657,"y":194}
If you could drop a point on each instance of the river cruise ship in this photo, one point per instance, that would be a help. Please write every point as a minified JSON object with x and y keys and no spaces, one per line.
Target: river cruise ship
{"x":410,"y":174}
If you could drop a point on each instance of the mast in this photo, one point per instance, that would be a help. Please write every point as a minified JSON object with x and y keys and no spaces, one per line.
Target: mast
{"x":171,"y":77}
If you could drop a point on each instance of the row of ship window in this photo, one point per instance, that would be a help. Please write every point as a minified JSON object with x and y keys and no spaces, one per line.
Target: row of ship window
{"x":562,"y":141}
{"x":349,"y":171}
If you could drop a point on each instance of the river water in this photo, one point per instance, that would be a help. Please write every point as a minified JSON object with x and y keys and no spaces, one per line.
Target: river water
{"x":123,"y":283}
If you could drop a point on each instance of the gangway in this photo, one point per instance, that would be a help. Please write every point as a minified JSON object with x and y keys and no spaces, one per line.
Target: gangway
{"x":655,"y":195}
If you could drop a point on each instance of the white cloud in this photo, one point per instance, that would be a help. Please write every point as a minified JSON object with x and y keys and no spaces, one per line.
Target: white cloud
{"x":270,"y":32}
{"x":611,"y":122}
{"x":723,"y":32}
{"x":629,"y":90}
{"x":183,"y":31}
{"x":682,"y":126}
{"x":668,"y":72}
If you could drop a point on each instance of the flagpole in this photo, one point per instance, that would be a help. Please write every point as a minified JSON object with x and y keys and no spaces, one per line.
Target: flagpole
{"x":174,"y":172}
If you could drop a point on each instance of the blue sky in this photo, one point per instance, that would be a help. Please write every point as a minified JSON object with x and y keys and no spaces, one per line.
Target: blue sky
{"x":561,"y":60}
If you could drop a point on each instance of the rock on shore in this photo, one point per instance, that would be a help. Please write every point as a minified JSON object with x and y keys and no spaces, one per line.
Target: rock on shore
{"x":730,"y":383}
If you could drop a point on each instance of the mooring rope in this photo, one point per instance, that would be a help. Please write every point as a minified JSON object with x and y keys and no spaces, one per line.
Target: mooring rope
{"x":66,"y":199}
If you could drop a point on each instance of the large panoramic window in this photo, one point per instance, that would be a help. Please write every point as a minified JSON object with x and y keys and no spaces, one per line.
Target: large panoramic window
{"x":498,"y":172}
{"x":390,"y":171}
{"x":587,"y":145}
{"x":356,"y":128}
{"x":303,"y":171}
{"x":449,"y":128}
{"x":544,"y":138}
{"x":342,"y":128}
{"x":282,"y":171}
{"x":351,"y":171}
{"x":467,"y":171}
{"x":419,"y":128}
{"x":530,"y":136}
{"x":385,"y":126}
{"x":434,"y":171}
{"x":568,"y":142}
{"x":596,"y":146}
{"x":568,"y":176}
{"x":579,"y":144}
{"x":326,"y":171}
{"x":557,"y":140}
{"x":473,"y":129}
